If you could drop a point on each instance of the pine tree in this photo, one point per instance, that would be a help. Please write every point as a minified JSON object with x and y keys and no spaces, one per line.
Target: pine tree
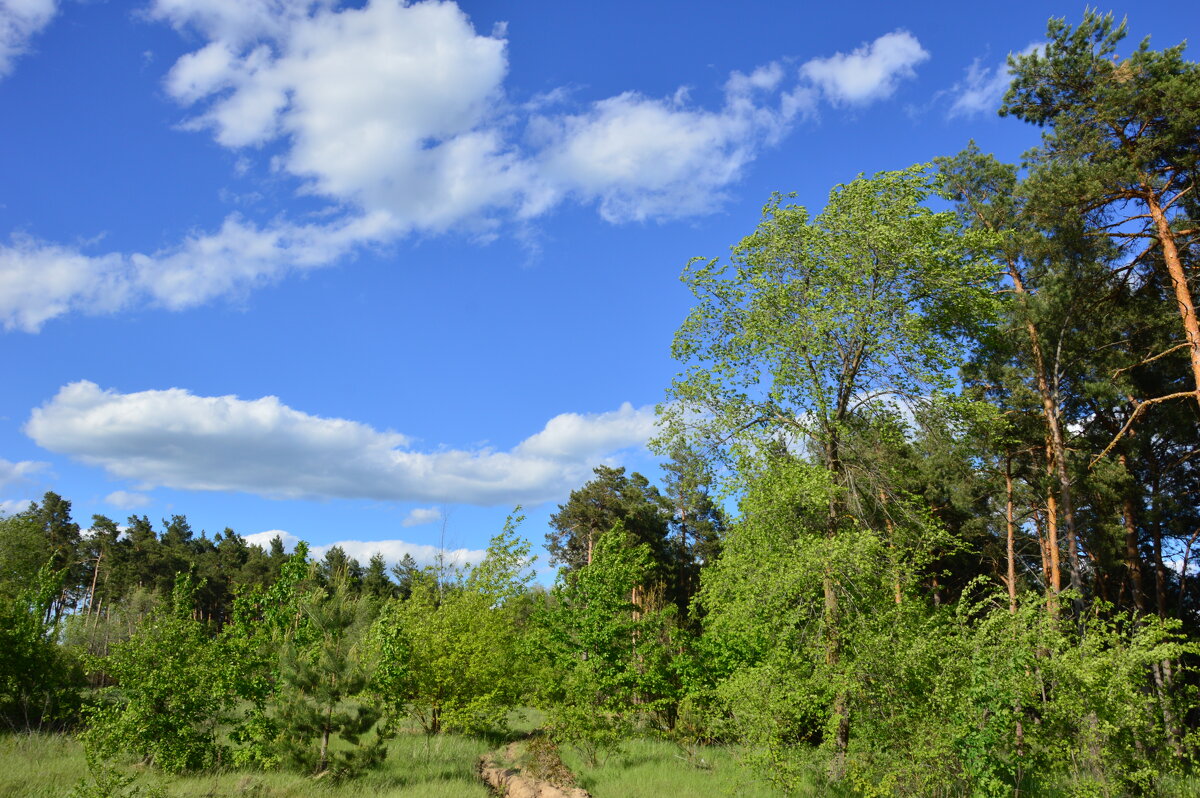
{"x":323,"y":675}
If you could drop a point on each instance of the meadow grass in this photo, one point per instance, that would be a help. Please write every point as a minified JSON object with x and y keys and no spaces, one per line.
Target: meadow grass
{"x":49,"y":766}
{"x":649,"y":768}
{"x":40,"y":765}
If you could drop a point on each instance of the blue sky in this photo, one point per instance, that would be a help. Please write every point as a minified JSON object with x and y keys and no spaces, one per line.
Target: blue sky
{"x":379,"y":272}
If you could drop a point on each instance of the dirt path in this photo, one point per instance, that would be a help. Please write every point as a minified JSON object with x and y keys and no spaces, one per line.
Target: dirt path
{"x":500,"y":772}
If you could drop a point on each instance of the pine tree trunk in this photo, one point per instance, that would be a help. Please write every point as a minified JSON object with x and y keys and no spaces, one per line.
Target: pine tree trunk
{"x":1055,"y":581}
{"x":324,"y":762}
{"x":1183,"y":294}
{"x":1056,"y":464}
{"x":1009,"y":530}
{"x":1133,"y":559}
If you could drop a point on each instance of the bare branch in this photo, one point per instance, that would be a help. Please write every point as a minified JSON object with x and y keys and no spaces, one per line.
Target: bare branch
{"x":1176,"y":348}
{"x":1141,"y":406}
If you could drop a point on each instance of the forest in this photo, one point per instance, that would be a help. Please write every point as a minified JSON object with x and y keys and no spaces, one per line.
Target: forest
{"x":927,"y":525}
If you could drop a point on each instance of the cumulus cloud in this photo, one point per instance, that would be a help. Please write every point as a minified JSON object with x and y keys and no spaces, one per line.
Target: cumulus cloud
{"x":393,"y":551}
{"x":641,"y":157}
{"x":11,"y":472}
{"x":126,"y":500}
{"x":397,"y":115}
{"x":40,"y":280}
{"x":173,"y":438}
{"x":402,"y":108}
{"x":872,"y":72}
{"x":20,"y":21}
{"x":420,"y":516}
{"x":982,"y":88}
{"x":264,"y":539}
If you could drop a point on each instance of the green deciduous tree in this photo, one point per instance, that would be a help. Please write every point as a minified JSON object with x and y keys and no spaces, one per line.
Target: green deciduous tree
{"x":822,"y":326}
{"x":170,"y":693}
{"x":449,"y":654}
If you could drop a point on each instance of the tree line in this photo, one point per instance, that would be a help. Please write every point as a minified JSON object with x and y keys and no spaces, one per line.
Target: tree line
{"x":927,"y":523}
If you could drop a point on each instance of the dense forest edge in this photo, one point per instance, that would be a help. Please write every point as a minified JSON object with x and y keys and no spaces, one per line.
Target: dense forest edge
{"x":927,"y":525}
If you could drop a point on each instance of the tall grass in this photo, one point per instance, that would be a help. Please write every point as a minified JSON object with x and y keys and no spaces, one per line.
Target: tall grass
{"x":39,"y":765}
{"x":49,"y":766}
{"x":647,"y":768}
{"x":417,"y":766}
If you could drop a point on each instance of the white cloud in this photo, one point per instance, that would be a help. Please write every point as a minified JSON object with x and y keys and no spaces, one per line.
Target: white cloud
{"x":642,"y":157}
{"x":401,"y":108}
{"x":388,"y":106}
{"x":125,"y":500}
{"x":397,"y":114}
{"x":175,"y":439}
{"x":40,"y":281}
{"x":393,"y":551}
{"x":872,"y":72}
{"x":982,"y":88}
{"x":20,"y":21}
{"x":264,"y":539}
{"x":13,"y":506}
{"x":11,"y":472}
{"x":421,"y":516}
{"x":575,"y":436}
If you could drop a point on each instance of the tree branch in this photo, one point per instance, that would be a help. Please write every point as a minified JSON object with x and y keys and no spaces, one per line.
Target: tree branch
{"x":1133,"y":417}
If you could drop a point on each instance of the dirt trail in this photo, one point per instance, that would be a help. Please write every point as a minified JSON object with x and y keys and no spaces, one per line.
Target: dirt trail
{"x":500,"y":772}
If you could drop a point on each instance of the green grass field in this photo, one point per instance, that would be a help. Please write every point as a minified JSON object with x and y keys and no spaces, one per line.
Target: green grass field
{"x":49,"y":766}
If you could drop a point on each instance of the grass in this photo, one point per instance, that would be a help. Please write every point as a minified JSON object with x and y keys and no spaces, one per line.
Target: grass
{"x":647,"y":768}
{"x":39,"y":765}
{"x":49,"y":766}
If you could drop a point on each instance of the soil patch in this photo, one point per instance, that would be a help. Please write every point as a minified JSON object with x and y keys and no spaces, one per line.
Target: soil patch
{"x":543,"y":776}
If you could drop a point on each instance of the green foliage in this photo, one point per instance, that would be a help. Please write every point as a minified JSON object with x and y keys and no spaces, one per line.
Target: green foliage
{"x":610,"y":655}
{"x":171,"y":691}
{"x":39,"y":682}
{"x":450,"y":653}
{"x":105,"y":780}
{"x":818,"y":320}
{"x":321,"y":698}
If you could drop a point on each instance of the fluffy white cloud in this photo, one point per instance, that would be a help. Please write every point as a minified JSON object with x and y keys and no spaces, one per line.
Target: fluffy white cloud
{"x":421,"y":516}
{"x":11,"y":472}
{"x":642,"y":157}
{"x":40,"y":281}
{"x":20,"y":21}
{"x":264,"y":539}
{"x":175,"y":439}
{"x":402,"y":108}
{"x":393,"y":551}
{"x":13,"y":506}
{"x":388,"y":106}
{"x":872,"y":72}
{"x":397,"y":114}
{"x":126,"y":500}
{"x":982,"y":88}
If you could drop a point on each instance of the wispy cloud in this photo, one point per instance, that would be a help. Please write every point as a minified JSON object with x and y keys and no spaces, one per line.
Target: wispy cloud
{"x":13,"y":506}
{"x":420,"y":516}
{"x":11,"y":472}
{"x":20,"y":21}
{"x":398,"y":116}
{"x":982,"y":87}
{"x":127,"y":500}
